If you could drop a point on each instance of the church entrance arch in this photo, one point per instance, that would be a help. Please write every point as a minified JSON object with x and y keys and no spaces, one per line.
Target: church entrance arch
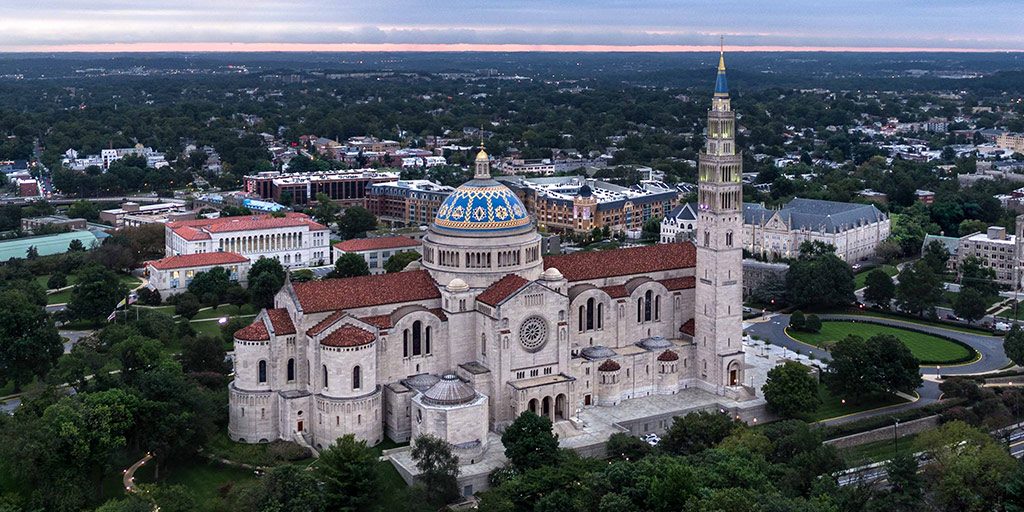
{"x":546,"y":407}
{"x":560,"y":407}
{"x":533,"y":406}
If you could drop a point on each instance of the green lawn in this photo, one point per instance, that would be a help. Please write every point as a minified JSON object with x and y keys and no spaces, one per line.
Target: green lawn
{"x":263,"y":454}
{"x":212,"y":327}
{"x":60,"y":297}
{"x":41,"y":280}
{"x":924,"y":346}
{"x":877,"y":451}
{"x":167,"y":310}
{"x":224,"y":310}
{"x":949,"y":297}
{"x":833,"y":406}
{"x":917,"y":320}
{"x":208,"y":481}
{"x":862,"y":276}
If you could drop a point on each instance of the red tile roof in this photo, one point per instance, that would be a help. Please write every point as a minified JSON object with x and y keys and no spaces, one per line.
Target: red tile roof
{"x":376,"y":244}
{"x":616,"y":292}
{"x":679,"y":283}
{"x":205,"y":259}
{"x":202,"y":227}
{"x":608,"y":366}
{"x":668,"y":355}
{"x":501,"y":289}
{"x":688,"y":328}
{"x":365,"y":291}
{"x":348,"y":336}
{"x":384,"y":321}
{"x":190,"y":233}
{"x":581,"y":266}
{"x":281,"y":321}
{"x":255,"y":331}
{"x":322,"y":325}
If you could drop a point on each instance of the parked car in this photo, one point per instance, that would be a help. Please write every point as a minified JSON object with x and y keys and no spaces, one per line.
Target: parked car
{"x":651,"y":439}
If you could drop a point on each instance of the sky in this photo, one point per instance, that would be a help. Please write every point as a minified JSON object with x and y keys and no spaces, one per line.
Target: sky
{"x":510,"y":25}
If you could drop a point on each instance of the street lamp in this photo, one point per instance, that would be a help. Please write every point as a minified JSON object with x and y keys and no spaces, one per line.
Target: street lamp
{"x":895,"y":438}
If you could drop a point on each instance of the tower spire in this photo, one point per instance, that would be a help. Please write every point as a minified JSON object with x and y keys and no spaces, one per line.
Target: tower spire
{"x":483,"y":162}
{"x":721,"y":83}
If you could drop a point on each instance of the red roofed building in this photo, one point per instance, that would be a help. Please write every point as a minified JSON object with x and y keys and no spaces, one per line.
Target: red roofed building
{"x":172,"y":275}
{"x":376,"y":251}
{"x":293,"y":239}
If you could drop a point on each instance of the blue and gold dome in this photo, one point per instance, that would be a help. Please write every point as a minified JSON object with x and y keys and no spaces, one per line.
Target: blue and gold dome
{"x":482,"y":206}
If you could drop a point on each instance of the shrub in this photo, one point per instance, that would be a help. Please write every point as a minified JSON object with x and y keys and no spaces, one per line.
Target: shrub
{"x":797,"y":320}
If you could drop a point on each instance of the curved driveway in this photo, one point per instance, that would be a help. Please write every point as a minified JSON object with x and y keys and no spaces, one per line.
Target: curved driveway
{"x":990,"y":348}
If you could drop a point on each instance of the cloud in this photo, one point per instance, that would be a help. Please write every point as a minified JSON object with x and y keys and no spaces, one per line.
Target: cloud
{"x":797,"y":23}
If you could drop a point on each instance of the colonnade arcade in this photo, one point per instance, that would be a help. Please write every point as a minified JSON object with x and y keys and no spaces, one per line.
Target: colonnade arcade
{"x":261,"y":243}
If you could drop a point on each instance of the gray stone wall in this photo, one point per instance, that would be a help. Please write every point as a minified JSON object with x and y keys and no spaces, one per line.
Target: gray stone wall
{"x":879,"y":434}
{"x":756,"y":273}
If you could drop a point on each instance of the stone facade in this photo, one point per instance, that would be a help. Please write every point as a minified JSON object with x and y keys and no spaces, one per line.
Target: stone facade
{"x":484,"y":328}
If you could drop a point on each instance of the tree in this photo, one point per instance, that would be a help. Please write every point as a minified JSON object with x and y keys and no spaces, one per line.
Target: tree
{"x":968,"y":226}
{"x":529,"y":442}
{"x":919,"y":289}
{"x":398,"y":261}
{"x":819,"y":279}
{"x":97,"y":293}
{"x":797,"y":320}
{"x":83,"y":209}
{"x":350,"y":264}
{"x":889,"y":250}
{"x":32,"y":253}
{"x":355,"y":222}
{"x":57,"y":280}
{"x":303,"y":275}
{"x":813,"y":323}
{"x":266,"y":277}
{"x":203,"y":354}
{"x":76,"y":245}
{"x":791,"y":390}
{"x":325,"y":212}
{"x":137,"y":354}
{"x":626,"y":447}
{"x":697,"y":432}
{"x":285,"y":488}
{"x":212,"y":283}
{"x":1013,"y":345}
{"x":29,"y":343}
{"x":968,"y":467}
{"x":936,"y":256}
{"x":974,"y":274}
{"x":970,"y":305}
{"x":187,"y":305}
{"x":439,"y":468}
{"x":881,"y":364}
{"x":880,"y":288}
{"x":348,"y":470}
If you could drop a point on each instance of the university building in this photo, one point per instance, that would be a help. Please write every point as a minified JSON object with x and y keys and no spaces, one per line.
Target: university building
{"x":346,"y":188}
{"x":855,"y":230}
{"x":294,"y":239}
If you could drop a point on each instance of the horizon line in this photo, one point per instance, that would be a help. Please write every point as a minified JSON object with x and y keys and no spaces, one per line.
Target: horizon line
{"x":464,"y":47}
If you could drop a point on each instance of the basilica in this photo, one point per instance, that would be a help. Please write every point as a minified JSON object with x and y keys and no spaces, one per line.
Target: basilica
{"x":486,"y":326}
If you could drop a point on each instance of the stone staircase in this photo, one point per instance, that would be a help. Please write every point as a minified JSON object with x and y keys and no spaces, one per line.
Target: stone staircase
{"x":306,"y":441}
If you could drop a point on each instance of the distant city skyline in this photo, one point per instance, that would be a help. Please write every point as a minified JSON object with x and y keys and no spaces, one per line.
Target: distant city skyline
{"x":514,"y":25}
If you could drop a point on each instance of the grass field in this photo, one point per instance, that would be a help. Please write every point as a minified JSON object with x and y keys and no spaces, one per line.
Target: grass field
{"x":212,"y":327}
{"x":877,"y":451}
{"x":225,"y":310}
{"x":833,"y":406}
{"x":860,"y":278}
{"x":924,"y":346}
{"x":61,"y":297}
{"x":41,"y":280}
{"x":921,"y":321}
{"x":206,"y":480}
{"x":64,"y":296}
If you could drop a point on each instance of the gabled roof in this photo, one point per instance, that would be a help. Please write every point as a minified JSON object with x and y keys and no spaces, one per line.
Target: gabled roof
{"x":683,"y":212}
{"x":688,"y":328}
{"x":205,"y":259}
{"x":376,"y":244}
{"x":679,"y":283}
{"x":815,"y":215}
{"x":365,"y":291}
{"x":281,"y":321}
{"x":502,"y":289}
{"x":581,"y":266}
{"x":200,"y":229}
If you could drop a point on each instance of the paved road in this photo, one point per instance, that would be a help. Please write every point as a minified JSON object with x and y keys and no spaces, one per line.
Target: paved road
{"x":990,"y":347}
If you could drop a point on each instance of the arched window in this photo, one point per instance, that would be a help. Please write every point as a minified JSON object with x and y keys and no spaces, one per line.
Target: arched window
{"x":582,"y":312}
{"x":325,"y":375}
{"x":483,"y":344}
{"x":590,"y":314}
{"x":417,"y":338}
{"x":647,"y":305}
{"x":405,"y":343}
{"x":357,"y":377}
{"x":639,"y":310}
{"x":426,"y":340}
{"x":261,"y":372}
{"x":657,"y":307}
{"x":600,"y":315}
{"x":291,"y":370}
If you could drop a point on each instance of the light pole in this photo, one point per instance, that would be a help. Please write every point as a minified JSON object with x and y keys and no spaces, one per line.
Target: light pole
{"x":895,"y":438}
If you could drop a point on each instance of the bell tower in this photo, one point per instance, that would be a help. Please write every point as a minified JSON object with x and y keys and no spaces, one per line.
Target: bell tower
{"x":718,"y":315}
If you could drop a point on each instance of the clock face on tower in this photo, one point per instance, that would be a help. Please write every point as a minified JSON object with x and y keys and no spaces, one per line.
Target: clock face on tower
{"x":533,"y":333}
